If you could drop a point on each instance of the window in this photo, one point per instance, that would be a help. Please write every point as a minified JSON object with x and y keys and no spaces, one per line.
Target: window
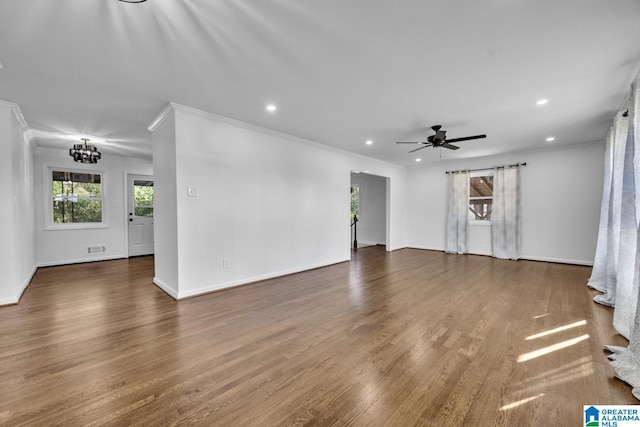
{"x":75,"y":198}
{"x":480,"y":196}
{"x":143,"y":198}
{"x":355,"y":201}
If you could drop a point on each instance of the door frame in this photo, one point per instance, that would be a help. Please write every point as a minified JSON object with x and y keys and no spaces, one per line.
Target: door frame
{"x":127,"y":176}
{"x":387,"y":208}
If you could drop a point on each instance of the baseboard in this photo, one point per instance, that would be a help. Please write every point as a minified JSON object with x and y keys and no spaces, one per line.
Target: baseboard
{"x":254,"y":279}
{"x":166,"y":289}
{"x":8,"y":301}
{"x":26,"y":283}
{"x":558,"y":260}
{"x":430,"y":248}
{"x":81,"y":260}
{"x":426,"y":248}
{"x":370,"y":243}
{"x":522,"y":257}
{"x":23,"y":287}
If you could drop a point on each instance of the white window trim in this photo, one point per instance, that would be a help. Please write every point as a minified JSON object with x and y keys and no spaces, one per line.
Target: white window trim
{"x":48,"y":205}
{"x":475,"y":174}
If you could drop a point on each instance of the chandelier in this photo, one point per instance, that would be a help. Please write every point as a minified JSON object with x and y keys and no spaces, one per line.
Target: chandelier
{"x":85,"y":153}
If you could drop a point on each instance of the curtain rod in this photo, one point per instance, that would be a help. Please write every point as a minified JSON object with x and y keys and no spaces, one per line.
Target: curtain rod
{"x":486,"y":169}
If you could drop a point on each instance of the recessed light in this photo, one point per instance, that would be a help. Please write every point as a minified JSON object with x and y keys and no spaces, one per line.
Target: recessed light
{"x":271,"y":108}
{"x":542,"y":102}
{"x":551,"y":139}
{"x":418,"y":159}
{"x":369,"y":142}
{"x":133,"y":1}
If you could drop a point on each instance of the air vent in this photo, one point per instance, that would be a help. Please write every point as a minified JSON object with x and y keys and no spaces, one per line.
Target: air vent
{"x":96,"y":249}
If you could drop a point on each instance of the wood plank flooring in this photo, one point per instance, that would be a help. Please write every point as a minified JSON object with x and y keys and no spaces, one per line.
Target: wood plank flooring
{"x":405,"y":338}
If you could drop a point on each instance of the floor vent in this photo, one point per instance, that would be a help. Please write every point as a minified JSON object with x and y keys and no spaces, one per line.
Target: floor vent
{"x":96,"y":249}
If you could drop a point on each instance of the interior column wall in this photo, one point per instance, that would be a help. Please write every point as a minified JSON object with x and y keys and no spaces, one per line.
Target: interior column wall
{"x":254,"y":203}
{"x":165,"y":198}
{"x":17,"y":259}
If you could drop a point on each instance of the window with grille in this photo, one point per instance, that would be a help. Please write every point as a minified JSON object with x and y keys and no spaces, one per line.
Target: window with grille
{"x":480,"y":196}
{"x":76,"y":198}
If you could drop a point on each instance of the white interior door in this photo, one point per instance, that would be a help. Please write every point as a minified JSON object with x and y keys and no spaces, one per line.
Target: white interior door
{"x":140,"y":214}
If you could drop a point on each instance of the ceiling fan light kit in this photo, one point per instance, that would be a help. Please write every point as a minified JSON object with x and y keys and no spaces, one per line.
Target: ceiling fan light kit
{"x":440,"y":140}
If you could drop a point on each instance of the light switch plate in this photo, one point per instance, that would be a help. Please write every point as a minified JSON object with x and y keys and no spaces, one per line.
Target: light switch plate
{"x":193,"y":192}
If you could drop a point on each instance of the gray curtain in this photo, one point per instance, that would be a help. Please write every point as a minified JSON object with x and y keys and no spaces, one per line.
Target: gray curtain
{"x":457,"y":212}
{"x":598,"y":279}
{"x":626,"y":315}
{"x":506,"y":218}
{"x":605,"y":266}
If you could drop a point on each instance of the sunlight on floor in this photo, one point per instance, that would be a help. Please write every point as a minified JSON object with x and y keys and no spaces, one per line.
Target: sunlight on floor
{"x":575,"y":367}
{"x":547,"y":382}
{"x":541,"y":315}
{"x":520,"y":402}
{"x":550,"y":349}
{"x":572,"y":371}
{"x":556,"y":330}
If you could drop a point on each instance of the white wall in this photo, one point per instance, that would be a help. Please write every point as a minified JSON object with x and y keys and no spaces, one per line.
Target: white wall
{"x":269,"y":203}
{"x":17,"y":259}
{"x":373,"y":204}
{"x":55,"y":247}
{"x":561,"y":196}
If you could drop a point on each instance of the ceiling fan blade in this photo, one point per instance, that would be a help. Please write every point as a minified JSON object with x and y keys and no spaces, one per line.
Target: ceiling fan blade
{"x":407,"y":142}
{"x":449,"y":146}
{"x":420,"y":148}
{"x":466,"y":138}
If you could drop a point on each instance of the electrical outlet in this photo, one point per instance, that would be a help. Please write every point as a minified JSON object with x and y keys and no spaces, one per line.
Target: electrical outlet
{"x":225,"y":262}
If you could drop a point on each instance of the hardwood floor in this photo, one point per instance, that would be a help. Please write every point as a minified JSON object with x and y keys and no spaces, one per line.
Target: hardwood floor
{"x":404,"y":338}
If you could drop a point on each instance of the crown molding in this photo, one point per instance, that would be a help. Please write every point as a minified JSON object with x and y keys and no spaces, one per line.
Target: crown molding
{"x":173,"y":107}
{"x":166,"y":112}
{"x":22,"y":123}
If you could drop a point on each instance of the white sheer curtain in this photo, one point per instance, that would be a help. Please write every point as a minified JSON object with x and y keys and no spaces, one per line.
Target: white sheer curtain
{"x":626,"y":315}
{"x":506,"y":218}
{"x":598,"y":279}
{"x":605,"y":268}
{"x":457,"y":212}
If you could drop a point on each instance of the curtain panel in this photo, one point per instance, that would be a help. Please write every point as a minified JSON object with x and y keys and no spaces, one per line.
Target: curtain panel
{"x":605,"y":268}
{"x":598,"y":279}
{"x":626,"y":315}
{"x":506,"y":218}
{"x":457,"y":212}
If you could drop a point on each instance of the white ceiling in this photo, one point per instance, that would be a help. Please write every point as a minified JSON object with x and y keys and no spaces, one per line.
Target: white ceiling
{"x":340,"y":72}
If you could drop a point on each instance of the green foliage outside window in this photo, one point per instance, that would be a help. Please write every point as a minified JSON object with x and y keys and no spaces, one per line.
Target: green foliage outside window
{"x":77,"y":197}
{"x":143,"y":198}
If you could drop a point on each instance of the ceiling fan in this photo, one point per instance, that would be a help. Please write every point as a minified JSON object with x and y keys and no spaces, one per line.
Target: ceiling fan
{"x":440,"y":140}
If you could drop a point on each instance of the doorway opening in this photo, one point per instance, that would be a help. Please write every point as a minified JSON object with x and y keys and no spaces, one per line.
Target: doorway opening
{"x":369,"y":198}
